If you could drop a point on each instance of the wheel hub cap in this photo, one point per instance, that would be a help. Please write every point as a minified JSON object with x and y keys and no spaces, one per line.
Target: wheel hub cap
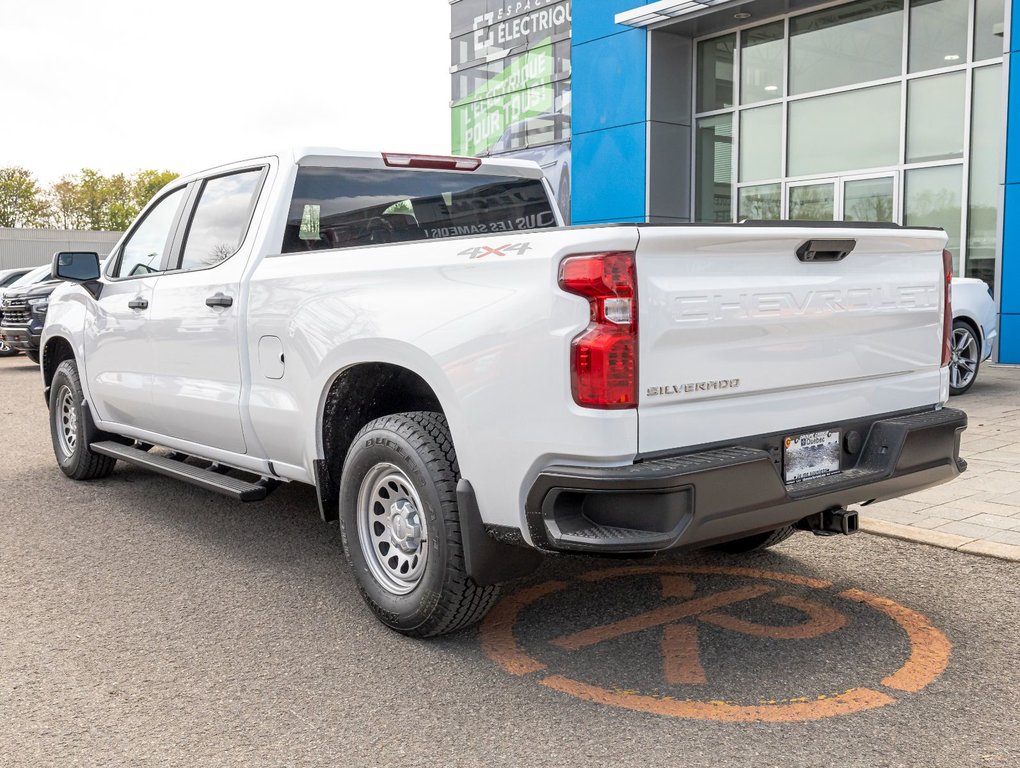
{"x":405,"y":528}
{"x":392,"y":530}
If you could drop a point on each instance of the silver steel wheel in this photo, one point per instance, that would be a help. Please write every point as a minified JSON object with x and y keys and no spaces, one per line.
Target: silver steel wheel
{"x":66,"y":417}
{"x":963,"y":364}
{"x":392,"y":529}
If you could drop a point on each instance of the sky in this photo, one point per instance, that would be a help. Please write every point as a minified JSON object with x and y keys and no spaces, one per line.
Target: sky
{"x":119,"y":86}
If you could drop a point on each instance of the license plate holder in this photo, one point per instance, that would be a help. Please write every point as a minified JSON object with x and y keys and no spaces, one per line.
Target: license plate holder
{"x":811,"y":455}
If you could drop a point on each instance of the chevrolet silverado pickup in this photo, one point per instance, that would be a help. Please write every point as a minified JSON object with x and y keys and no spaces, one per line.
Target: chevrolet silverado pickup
{"x":468,"y":384}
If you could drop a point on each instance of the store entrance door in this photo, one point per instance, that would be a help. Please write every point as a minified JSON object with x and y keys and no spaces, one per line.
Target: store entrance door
{"x":844,"y":198}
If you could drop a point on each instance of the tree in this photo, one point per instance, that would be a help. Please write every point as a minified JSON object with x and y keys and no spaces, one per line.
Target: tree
{"x":22,"y":203}
{"x":146,"y":184}
{"x":90,"y":200}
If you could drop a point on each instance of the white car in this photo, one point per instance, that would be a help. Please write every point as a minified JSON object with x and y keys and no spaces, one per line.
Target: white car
{"x":974,"y":330}
{"x":468,"y":385}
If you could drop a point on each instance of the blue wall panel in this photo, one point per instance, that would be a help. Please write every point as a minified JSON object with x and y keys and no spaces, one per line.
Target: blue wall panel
{"x":609,"y":175}
{"x":596,"y":18}
{"x":1009,"y":320}
{"x":1009,"y":339}
{"x":1010,"y":246}
{"x":610,"y":82}
{"x":1013,"y":124}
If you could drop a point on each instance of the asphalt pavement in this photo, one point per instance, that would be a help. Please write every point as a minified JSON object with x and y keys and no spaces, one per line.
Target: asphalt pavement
{"x":146,"y":622}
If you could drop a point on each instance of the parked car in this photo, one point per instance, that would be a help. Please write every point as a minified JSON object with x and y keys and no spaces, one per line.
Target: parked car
{"x":24,"y":315}
{"x":29,"y":278}
{"x":9,"y":276}
{"x":458,"y":376}
{"x":975,"y":327}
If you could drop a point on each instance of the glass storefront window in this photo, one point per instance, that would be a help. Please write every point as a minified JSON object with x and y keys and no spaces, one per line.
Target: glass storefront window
{"x":847,"y":44}
{"x":935,"y":117}
{"x":763,"y":202}
{"x":715,"y":73}
{"x":933,"y":198}
{"x":983,"y":187}
{"x":713,"y":177}
{"x":989,"y":29}
{"x":812,"y":202}
{"x":762,"y":57}
{"x":869,"y":200}
{"x":761,"y":140}
{"x":844,"y":131}
{"x":938,"y":34}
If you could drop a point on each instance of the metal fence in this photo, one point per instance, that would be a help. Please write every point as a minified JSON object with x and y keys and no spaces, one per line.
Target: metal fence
{"x":35,"y":247}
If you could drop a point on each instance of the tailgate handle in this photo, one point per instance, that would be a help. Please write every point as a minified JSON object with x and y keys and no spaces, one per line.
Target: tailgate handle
{"x":826,"y":250}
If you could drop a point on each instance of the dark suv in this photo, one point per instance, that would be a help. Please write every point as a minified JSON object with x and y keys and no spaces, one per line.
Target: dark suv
{"x":24,"y":313}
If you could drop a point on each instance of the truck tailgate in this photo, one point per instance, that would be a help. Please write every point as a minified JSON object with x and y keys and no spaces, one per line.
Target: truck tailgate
{"x":738,"y":336}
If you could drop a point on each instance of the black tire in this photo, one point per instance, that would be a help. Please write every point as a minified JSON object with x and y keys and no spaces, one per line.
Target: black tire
{"x":443,"y":598}
{"x":757,"y":542}
{"x":6,"y":350}
{"x":33,"y":355}
{"x":966,"y":357}
{"x":71,"y":445}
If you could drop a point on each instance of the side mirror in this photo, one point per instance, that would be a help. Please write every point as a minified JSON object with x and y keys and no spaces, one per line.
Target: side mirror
{"x":76,"y":266}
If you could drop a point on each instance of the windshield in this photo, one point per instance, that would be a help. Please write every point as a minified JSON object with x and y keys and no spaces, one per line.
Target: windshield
{"x":33,"y":277}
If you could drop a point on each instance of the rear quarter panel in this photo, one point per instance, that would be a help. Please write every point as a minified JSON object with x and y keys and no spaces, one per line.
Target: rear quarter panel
{"x":483,"y":324}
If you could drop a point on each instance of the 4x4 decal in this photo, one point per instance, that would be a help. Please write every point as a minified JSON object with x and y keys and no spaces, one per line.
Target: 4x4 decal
{"x":504,"y":250}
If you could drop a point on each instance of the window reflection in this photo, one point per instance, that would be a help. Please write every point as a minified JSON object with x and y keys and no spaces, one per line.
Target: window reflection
{"x":715,"y":73}
{"x":760,"y":203}
{"x":713,"y":158}
{"x":844,"y":131}
{"x":935,"y":118}
{"x":762,"y":53}
{"x":812,"y":202}
{"x":932,"y":198}
{"x":847,"y":44}
{"x":938,"y":33}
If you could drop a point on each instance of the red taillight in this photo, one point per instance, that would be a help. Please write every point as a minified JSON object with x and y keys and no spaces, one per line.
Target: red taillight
{"x":432,"y":162}
{"x":947,"y":308}
{"x":603,"y":364}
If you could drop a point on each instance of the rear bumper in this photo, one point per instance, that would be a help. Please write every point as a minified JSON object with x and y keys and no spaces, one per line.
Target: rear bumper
{"x":725,"y":493}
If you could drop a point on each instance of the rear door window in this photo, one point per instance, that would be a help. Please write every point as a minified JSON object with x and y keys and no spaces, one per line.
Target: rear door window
{"x":345,"y":208}
{"x":221,"y":218}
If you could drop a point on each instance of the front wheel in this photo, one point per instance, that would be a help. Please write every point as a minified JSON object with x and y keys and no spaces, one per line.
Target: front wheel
{"x":401,"y":530}
{"x":966,"y":358}
{"x":6,"y":350}
{"x":33,"y":355}
{"x":68,"y":428}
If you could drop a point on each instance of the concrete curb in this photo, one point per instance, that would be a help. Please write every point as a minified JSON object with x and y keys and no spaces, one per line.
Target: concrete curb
{"x":939,"y":539}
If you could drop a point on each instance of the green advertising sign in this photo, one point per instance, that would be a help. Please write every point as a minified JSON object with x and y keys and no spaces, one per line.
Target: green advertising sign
{"x":521,"y":91}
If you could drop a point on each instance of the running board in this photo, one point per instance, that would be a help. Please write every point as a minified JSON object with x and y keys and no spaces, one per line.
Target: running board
{"x":210,"y":479}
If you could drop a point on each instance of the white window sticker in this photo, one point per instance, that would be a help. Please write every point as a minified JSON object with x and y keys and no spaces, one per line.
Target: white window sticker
{"x":310,"y":229}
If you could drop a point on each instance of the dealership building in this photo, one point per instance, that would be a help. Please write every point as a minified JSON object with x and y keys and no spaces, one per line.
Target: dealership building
{"x":682,"y":111}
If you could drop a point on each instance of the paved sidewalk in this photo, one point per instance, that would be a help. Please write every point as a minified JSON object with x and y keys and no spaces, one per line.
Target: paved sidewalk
{"x":979,"y":512}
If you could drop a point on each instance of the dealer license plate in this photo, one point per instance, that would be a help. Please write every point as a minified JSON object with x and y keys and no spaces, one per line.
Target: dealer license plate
{"x":812,"y":455}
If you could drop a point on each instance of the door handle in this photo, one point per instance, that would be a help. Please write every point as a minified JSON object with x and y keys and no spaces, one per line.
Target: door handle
{"x":219,"y":300}
{"x":138,"y":304}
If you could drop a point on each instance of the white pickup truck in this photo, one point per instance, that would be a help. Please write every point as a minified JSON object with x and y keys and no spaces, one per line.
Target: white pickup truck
{"x":469,"y":384}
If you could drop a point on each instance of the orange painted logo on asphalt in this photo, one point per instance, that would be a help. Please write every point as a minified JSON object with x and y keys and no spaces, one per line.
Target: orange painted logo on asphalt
{"x":680,"y":620}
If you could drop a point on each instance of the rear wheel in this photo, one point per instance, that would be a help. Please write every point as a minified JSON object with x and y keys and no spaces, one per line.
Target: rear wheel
{"x":68,"y":428}
{"x":966,"y":358}
{"x":758,"y":541}
{"x":401,"y":529}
